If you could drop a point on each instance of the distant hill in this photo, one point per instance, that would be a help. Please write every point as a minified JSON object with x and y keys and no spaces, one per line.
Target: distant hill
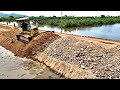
{"x":12,"y":14}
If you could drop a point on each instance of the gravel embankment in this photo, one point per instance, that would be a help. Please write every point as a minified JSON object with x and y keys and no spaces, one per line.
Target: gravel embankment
{"x":104,"y":63}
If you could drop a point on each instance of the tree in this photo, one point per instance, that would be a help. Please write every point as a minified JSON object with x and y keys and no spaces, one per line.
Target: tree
{"x":65,"y":15}
{"x":11,"y":16}
{"x":102,"y":16}
{"x":54,"y":16}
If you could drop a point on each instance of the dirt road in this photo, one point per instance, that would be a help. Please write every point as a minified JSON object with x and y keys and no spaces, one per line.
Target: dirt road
{"x":97,"y":41}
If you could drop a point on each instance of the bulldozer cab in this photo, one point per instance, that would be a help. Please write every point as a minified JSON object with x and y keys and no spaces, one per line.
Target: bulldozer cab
{"x":21,"y":20}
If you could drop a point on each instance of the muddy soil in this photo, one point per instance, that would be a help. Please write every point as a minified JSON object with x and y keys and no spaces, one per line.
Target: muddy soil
{"x":13,"y":67}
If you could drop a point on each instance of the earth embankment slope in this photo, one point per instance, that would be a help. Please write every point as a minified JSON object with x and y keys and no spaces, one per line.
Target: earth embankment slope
{"x":9,"y":41}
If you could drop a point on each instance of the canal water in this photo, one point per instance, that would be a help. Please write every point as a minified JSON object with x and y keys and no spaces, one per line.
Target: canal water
{"x":105,"y":31}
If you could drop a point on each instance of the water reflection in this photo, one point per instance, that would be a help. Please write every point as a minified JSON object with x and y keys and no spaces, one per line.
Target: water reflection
{"x":105,"y":31}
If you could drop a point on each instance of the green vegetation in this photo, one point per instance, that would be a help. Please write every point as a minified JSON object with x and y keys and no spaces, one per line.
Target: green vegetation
{"x":8,"y":19}
{"x":70,"y":21}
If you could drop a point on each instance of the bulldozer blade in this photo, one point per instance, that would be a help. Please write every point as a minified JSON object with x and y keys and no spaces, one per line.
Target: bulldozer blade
{"x":23,"y":39}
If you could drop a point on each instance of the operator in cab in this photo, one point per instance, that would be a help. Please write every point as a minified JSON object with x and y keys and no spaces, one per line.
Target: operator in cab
{"x":24,"y":26}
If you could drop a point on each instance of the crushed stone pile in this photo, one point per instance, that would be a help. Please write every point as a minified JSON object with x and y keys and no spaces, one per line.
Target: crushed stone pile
{"x":104,"y":63}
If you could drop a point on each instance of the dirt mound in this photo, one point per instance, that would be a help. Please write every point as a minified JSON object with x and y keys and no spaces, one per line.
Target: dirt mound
{"x":9,"y":41}
{"x":5,"y":27}
{"x":39,"y":43}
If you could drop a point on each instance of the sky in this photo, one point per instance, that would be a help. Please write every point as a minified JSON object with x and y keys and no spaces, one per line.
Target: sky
{"x":68,"y":13}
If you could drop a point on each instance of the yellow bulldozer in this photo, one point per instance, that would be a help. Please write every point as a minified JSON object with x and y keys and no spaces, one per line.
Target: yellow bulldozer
{"x":26,"y":33}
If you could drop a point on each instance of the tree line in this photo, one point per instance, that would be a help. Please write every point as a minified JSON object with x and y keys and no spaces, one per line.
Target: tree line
{"x":68,"y":21}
